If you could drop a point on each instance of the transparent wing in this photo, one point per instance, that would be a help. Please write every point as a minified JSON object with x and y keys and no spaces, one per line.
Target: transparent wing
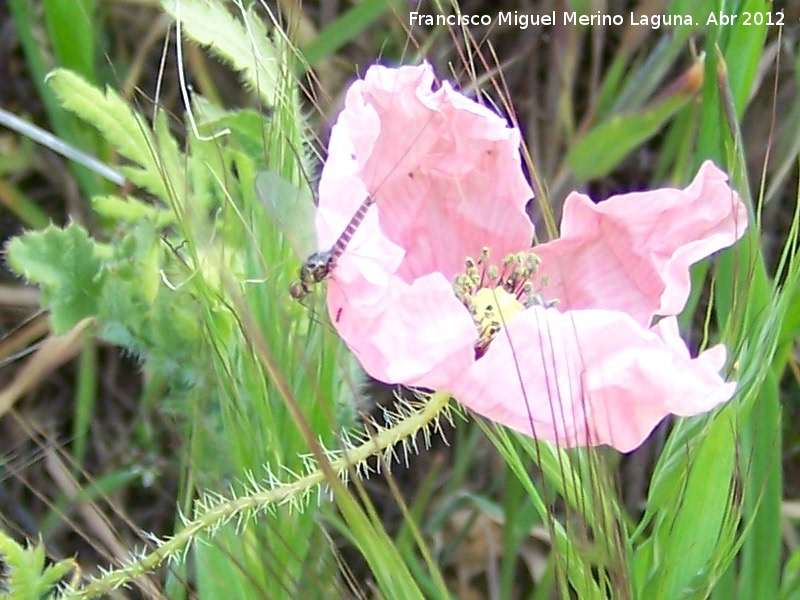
{"x":291,"y":208}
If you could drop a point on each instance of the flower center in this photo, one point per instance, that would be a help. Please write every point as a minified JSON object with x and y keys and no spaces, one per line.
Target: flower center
{"x":493,"y":295}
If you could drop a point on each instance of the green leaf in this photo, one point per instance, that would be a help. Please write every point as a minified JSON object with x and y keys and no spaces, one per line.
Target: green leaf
{"x":604,"y":147}
{"x":694,"y":525}
{"x":155,"y":159}
{"x":72,"y":34}
{"x":743,"y":52}
{"x":345,"y":28}
{"x":248,"y":127}
{"x":130,"y":210}
{"x":246,"y":46}
{"x":66,"y":264}
{"x":38,"y":61}
{"x":25,"y":576}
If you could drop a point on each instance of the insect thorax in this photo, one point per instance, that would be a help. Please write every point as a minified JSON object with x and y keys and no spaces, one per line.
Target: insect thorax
{"x":316,"y":268}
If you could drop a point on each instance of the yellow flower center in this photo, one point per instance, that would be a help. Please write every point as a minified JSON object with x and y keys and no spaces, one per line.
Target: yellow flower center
{"x":494,"y":307}
{"x":494,"y":295}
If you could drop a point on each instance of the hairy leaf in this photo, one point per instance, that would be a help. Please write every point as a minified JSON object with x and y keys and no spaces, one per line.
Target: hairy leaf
{"x":158,"y":162}
{"x":244,"y":44}
{"x":66,"y":264}
{"x":26,"y":577}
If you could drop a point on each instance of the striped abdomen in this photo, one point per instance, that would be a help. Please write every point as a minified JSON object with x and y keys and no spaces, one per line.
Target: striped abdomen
{"x":344,"y":239}
{"x":318,"y":266}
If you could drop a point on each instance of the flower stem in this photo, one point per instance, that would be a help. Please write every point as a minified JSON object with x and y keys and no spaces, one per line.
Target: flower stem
{"x":214,"y":514}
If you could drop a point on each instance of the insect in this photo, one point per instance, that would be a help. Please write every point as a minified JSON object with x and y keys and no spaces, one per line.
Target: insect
{"x":293,"y":209}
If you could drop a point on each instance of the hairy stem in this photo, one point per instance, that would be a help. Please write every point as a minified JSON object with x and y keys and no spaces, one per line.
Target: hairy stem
{"x":223,"y":510}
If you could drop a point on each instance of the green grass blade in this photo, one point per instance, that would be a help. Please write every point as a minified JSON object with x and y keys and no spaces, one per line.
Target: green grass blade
{"x":71,"y":25}
{"x":346,"y":27}
{"x":602,"y":149}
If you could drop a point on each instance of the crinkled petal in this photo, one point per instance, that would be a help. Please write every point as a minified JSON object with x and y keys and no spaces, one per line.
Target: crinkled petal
{"x":632,"y":252}
{"x":589,"y":377}
{"x":706,"y":367}
{"x":417,"y":334}
{"x":444,"y":172}
{"x":446,"y":178}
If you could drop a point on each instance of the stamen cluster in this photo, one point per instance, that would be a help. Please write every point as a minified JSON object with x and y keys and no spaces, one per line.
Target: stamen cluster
{"x":493,"y":295}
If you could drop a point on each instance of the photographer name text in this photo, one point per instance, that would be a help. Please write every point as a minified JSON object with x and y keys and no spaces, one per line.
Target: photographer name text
{"x":524,"y":20}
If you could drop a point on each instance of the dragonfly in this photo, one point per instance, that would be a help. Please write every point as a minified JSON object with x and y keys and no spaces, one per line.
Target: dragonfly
{"x":293,"y":209}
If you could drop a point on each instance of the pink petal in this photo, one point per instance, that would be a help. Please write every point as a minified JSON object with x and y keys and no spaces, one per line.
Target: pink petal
{"x":417,"y":334}
{"x":589,"y":377}
{"x":632,"y":253}
{"x":444,"y":171}
{"x":446,"y":177}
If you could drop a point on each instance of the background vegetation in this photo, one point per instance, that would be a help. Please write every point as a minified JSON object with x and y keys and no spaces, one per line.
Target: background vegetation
{"x":175,"y":402}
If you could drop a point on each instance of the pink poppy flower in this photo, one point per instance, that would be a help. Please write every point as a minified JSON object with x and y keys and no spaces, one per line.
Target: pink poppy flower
{"x":575,"y":342}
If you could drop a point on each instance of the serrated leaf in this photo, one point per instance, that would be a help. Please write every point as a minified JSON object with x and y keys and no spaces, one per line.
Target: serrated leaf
{"x":126,"y":130}
{"x":26,"y":577}
{"x":246,"y":46}
{"x":130,"y":210}
{"x":66,"y":264}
